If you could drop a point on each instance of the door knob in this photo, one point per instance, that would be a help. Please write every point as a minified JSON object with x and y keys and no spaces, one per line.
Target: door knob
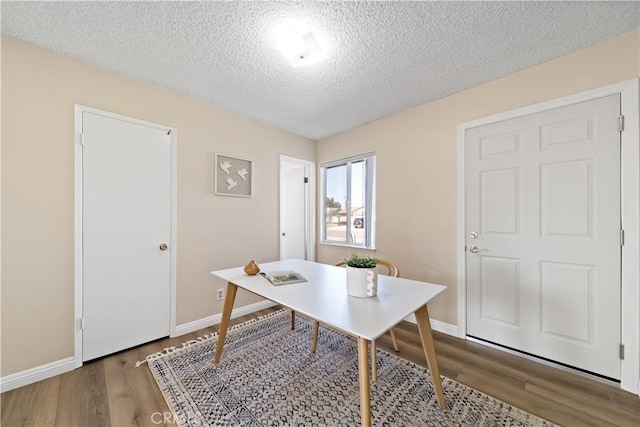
{"x":474,"y":249}
{"x":163,"y":246}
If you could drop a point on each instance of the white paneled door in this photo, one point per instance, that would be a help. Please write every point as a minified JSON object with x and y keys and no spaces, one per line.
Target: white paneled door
{"x":126,"y":228}
{"x":543,"y":234}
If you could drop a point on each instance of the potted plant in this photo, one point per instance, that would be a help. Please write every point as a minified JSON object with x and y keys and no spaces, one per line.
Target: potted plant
{"x":362,"y":277}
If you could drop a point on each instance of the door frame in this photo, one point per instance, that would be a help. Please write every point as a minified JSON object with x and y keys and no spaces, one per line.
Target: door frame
{"x":630,"y":212}
{"x":77,"y":219}
{"x":310,"y":202}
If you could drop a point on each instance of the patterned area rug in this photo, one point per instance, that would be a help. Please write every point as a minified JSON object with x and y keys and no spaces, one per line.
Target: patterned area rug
{"x":268,"y":377}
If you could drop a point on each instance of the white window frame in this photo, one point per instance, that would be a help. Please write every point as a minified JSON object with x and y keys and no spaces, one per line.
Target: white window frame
{"x":369,"y":202}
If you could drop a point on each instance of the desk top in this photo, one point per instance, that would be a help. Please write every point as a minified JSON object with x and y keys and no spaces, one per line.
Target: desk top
{"x":324,"y":296}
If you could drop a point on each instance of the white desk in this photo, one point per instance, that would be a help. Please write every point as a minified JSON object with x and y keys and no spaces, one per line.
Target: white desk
{"x":324,"y":298}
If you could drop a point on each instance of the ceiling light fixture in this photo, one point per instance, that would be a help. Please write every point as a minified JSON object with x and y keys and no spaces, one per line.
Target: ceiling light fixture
{"x":299,"y":44}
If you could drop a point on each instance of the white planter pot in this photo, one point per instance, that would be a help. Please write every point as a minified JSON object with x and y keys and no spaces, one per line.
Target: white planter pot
{"x":362,"y":282}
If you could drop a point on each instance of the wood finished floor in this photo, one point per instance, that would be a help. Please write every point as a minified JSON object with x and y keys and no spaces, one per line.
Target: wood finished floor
{"x":111,"y":392}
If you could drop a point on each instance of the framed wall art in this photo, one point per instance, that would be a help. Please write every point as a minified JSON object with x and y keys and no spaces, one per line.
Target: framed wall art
{"x":233,"y":176}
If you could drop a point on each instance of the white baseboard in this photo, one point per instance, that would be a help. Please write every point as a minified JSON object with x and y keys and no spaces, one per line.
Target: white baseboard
{"x":189,"y":327}
{"x":39,"y":373}
{"x":437,"y":325}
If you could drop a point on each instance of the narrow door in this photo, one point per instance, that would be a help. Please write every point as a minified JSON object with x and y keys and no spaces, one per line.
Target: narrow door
{"x":295,"y":211}
{"x":543,"y":234}
{"x":126,"y":220}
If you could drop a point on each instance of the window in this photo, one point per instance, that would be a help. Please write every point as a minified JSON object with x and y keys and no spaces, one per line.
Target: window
{"x":348,"y":213}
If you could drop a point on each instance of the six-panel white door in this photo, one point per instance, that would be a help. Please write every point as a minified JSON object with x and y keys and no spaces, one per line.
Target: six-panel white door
{"x":126,"y":217}
{"x":543,"y":234}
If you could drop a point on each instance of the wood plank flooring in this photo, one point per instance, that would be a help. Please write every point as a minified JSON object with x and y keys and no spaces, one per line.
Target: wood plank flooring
{"x":111,"y":392}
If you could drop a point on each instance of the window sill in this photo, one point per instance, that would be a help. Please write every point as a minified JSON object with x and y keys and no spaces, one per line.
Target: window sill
{"x":350,"y":246}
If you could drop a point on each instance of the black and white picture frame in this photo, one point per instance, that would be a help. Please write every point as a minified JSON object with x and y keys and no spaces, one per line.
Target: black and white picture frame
{"x":233,"y":176}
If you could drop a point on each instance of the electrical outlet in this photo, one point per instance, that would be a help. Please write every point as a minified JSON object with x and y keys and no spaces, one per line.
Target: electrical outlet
{"x":220,"y":294}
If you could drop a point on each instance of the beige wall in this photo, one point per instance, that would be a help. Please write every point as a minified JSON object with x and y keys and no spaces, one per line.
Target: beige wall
{"x":416,"y":178}
{"x":416,"y":158}
{"x":39,"y":89}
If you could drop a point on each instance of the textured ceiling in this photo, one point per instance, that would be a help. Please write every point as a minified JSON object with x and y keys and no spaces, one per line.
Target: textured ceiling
{"x":382,"y":57}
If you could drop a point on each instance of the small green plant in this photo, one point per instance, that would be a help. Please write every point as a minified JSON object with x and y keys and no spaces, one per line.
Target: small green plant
{"x":361,"y":262}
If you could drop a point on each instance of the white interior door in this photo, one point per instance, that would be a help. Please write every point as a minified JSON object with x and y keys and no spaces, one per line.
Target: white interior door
{"x":126,"y":217}
{"x":296,"y":212}
{"x":543,"y":234}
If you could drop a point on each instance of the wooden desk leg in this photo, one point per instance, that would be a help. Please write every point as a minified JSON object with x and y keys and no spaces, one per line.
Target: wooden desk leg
{"x":314,"y":343}
{"x":374,"y":362}
{"x":229,"y":299}
{"x":424,"y":327}
{"x":394,"y":340}
{"x":365,"y":392}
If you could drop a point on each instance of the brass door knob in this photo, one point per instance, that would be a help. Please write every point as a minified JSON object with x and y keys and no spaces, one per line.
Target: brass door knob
{"x":163,"y":247}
